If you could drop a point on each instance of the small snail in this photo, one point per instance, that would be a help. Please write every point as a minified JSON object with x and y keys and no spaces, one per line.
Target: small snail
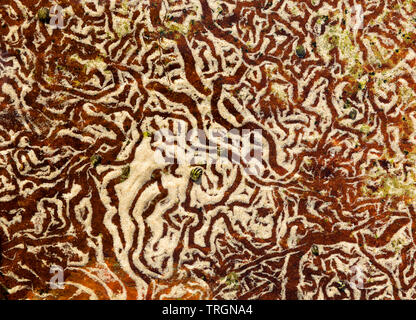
{"x":196,"y":173}
{"x":300,"y":51}
{"x":353,"y":114}
{"x":341,"y":285}
{"x":315,"y":250}
{"x":43,"y":15}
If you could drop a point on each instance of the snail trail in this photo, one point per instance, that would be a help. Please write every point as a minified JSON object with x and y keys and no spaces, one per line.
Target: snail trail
{"x":80,"y":187}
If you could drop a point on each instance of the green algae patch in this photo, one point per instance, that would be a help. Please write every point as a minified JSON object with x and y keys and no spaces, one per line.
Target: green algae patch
{"x":232,"y":280}
{"x":395,"y":187}
{"x":125,"y":173}
{"x":341,"y":39}
{"x":147,"y":134}
{"x":365,"y":128}
{"x":95,"y":160}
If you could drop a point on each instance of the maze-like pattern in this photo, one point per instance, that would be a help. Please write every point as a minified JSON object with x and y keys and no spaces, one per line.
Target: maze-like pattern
{"x":333,"y":95}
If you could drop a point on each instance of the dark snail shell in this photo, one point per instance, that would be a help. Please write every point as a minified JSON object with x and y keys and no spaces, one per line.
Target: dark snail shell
{"x":196,"y":173}
{"x":43,"y":15}
{"x":300,"y":51}
{"x":353,"y":114}
{"x":315,"y":250}
{"x":341,"y":285}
